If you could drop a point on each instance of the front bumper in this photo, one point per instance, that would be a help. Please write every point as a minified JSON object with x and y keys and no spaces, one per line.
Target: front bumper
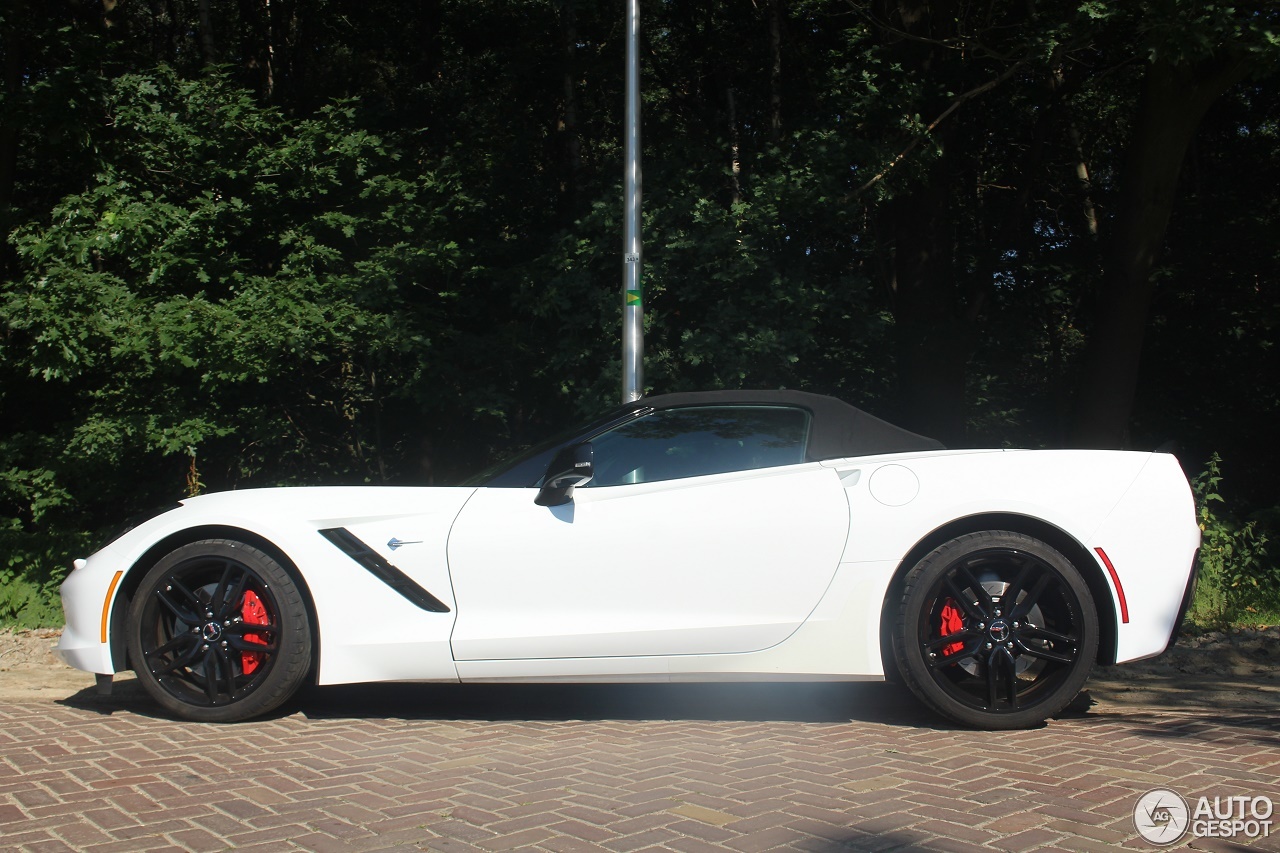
{"x":87,"y":598}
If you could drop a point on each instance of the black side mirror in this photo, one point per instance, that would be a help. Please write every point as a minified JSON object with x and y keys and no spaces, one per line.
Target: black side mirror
{"x":572,"y":466}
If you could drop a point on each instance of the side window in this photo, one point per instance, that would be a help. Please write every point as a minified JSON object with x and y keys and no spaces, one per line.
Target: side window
{"x":676,"y":443}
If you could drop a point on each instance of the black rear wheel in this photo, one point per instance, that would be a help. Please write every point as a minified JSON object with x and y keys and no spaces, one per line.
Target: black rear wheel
{"x":995,"y":630}
{"x":219,"y":632}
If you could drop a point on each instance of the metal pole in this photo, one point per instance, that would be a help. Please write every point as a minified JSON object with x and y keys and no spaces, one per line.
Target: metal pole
{"x":632,"y":296}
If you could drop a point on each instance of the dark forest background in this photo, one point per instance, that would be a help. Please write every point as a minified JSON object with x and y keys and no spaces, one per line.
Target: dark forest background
{"x":259,"y":242}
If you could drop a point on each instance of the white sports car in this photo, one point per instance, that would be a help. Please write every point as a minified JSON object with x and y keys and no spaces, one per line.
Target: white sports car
{"x":718,"y":536}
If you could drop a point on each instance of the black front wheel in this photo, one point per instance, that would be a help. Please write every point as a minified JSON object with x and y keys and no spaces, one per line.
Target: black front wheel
{"x":219,"y":632}
{"x":996,"y":630}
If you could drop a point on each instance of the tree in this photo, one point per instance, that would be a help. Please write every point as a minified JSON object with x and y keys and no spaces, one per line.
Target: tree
{"x":226,"y":294}
{"x":1197,"y":53}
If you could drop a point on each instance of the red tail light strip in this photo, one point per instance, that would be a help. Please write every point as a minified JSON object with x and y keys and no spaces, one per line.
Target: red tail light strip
{"x":1115,"y":579}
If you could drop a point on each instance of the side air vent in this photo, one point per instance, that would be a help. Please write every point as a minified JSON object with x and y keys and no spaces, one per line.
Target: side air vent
{"x":382,"y":570}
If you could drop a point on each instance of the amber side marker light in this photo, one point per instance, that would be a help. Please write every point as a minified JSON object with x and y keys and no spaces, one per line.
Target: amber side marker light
{"x":106,"y":604}
{"x":1115,"y":579}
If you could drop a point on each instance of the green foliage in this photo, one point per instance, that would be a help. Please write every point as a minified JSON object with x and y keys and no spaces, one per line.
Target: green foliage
{"x":1237,"y":579}
{"x":255,"y":262}
{"x":31,"y":570}
{"x":233,"y":290}
{"x":24,"y":604}
{"x":381,"y":244}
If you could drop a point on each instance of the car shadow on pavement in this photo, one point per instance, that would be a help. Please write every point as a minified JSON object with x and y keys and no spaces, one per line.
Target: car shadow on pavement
{"x":788,"y":702}
{"x":799,"y":702}
{"x":887,"y":704}
{"x":1254,"y":730}
{"x":1190,"y":717}
{"x":840,"y":702}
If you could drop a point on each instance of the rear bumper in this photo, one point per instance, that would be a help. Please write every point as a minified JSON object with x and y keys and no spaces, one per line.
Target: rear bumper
{"x":1187,"y":597}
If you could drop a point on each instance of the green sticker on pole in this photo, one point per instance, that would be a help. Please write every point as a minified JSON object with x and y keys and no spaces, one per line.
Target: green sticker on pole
{"x":633,"y":298}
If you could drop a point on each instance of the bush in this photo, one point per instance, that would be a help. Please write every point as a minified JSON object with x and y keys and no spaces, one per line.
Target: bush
{"x":25,"y":604}
{"x":33,"y":568}
{"x":1237,"y":581}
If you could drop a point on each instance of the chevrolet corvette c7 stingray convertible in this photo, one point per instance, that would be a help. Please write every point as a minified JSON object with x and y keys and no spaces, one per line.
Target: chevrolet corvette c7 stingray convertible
{"x":715,"y":536}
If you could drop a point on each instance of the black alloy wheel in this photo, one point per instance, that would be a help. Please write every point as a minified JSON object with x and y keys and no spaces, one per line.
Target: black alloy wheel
{"x":996,"y":630}
{"x":219,"y":632}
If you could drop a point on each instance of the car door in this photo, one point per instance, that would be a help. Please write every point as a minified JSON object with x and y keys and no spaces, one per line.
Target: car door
{"x":703,"y":531}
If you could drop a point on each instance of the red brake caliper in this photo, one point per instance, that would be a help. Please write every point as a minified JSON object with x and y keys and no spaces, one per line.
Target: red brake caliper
{"x":951,"y":620}
{"x":254,"y":613}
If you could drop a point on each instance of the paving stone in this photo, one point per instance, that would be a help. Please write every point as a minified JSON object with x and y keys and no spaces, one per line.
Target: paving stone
{"x":1032,"y":839}
{"x":704,"y":815}
{"x":11,"y":814}
{"x":705,"y":831}
{"x":952,"y":845}
{"x":640,"y":840}
{"x":72,"y":778}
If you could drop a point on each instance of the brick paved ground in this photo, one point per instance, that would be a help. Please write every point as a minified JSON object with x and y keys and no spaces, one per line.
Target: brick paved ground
{"x":688,"y":768}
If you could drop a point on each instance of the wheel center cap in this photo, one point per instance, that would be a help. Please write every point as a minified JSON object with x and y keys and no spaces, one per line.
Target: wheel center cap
{"x":211,"y":632}
{"x":998,"y":630}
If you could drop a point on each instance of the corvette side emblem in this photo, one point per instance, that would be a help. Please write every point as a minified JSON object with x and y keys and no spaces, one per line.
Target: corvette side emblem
{"x":394,"y":543}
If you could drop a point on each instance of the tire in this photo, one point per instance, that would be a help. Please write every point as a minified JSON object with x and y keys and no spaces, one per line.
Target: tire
{"x":995,"y":630}
{"x":219,"y":632}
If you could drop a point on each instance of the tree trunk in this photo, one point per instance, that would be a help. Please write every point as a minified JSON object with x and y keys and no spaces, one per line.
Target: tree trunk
{"x":1087,"y":211}
{"x":933,"y":342}
{"x":13,"y":62}
{"x":207,"y":50}
{"x":1174,"y":99}
{"x":932,"y":337}
{"x":775,"y":70}
{"x":268,"y":54}
{"x":735,"y":149}
{"x":572,"y":148}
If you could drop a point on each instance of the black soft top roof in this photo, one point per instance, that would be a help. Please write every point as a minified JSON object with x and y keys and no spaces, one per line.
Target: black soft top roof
{"x":836,"y":431}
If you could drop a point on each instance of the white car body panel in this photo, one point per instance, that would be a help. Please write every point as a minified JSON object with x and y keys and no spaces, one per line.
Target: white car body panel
{"x":83,"y":595}
{"x":1150,"y":560}
{"x":1119,"y":501}
{"x":840,"y":641}
{"x":367,"y":631}
{"x":529,"y":601}
{"x":1082,"y":489}
{"x":678,"y":567}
